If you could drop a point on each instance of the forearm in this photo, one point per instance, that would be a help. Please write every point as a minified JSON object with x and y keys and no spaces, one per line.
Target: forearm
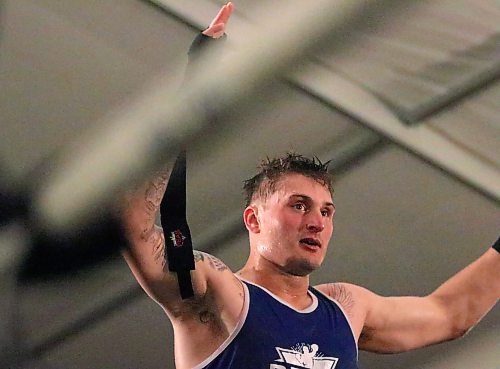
{"x":471,"y":293}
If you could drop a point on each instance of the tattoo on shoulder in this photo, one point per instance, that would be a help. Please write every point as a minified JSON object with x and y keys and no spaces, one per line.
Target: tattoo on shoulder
{"x":212,"y":260}
{"x":340,"y":293}
{"x":198,"y":256}
{"x":216,"y":263}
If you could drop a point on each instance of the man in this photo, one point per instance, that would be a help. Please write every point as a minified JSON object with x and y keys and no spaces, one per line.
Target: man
{"x":267,"y":315}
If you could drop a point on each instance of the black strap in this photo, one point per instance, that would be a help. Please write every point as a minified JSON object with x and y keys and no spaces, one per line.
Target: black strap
{"x":179,"y":245}
{"x":496,"y":245}
{"x":200,"y":44}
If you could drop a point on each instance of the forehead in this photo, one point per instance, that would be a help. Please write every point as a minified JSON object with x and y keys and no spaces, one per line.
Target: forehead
{"x":293,"y":184}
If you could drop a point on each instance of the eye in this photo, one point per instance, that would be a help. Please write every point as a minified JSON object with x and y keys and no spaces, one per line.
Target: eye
{"x":327,"y":212}
{"x":299,"y":206}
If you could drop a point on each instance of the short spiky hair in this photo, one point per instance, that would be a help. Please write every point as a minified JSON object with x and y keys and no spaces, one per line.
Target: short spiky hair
{"x":271,"y":171}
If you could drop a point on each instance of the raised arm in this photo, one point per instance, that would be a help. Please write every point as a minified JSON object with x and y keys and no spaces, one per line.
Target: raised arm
{"x":146,"y":254}
{"x":397,"y":324}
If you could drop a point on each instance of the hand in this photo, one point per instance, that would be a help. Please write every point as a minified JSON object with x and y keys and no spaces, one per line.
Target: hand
{"x":218,"y":26}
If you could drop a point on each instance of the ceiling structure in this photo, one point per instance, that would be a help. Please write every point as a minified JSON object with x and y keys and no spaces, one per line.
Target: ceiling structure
{"x":408,"y":113}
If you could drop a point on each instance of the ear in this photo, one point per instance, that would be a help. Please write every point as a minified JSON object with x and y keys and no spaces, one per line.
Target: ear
{"x":251,"y":218}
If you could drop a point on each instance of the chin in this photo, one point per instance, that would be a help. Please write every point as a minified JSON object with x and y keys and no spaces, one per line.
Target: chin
{"x":300,"y":267}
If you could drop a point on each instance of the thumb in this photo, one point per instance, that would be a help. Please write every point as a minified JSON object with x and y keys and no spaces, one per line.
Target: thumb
{"x":215,"y":30}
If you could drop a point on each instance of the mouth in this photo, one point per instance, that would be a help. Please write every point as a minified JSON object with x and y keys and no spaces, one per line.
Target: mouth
{"x":310,"y":243}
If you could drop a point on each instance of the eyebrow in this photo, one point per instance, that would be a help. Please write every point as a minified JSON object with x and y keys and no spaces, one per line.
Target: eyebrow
{"x":309,"y":199}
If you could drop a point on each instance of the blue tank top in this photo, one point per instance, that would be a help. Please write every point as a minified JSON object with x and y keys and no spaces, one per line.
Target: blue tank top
{"x":273,"y":335}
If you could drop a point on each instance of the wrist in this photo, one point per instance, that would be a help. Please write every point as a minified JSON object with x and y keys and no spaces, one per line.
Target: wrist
{"x":203,"y":41}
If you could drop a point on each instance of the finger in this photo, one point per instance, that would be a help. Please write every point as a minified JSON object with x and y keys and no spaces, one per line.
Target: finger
{"x":215,"y":31}
{"x":219,"y":27}
{"x":227,"y":12}
{"x":218,"y":16}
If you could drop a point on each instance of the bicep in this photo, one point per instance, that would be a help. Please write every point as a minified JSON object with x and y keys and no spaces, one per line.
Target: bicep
{"x":212,"y":280}
{"x":147,"y":261}
{"x":398,"y":324}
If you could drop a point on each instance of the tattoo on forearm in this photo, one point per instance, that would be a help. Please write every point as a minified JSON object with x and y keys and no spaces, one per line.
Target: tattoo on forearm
{"x":342,"y":295}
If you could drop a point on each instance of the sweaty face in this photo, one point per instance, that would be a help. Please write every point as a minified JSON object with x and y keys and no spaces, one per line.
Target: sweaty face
{"x":296,"y":224}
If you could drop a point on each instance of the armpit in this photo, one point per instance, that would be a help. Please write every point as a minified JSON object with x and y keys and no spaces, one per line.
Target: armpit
{"x":200,"y":310}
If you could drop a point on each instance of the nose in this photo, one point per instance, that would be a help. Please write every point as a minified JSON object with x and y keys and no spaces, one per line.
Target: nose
{"x":316,"y":222}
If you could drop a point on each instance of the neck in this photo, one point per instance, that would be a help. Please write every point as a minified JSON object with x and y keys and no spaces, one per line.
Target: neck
{"x":290,"y":288}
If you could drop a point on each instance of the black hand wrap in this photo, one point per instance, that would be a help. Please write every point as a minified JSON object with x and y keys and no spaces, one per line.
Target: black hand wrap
{"x":179,"y":246}
{"x":198,"y":47}
{"x":496,"y":245}
{"x":178,"y":242}
{"x":200,"y":43}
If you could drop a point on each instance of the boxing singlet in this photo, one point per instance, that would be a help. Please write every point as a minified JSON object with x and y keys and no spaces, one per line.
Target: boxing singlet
{"x":273,"y":335}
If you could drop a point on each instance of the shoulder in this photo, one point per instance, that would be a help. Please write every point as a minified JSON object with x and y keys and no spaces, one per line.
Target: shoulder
{"x":340,"y":292}
{"x":216,"y":274}
{"x":352,"y":299}
{"x":205,"y":260}
{"x":216,"y":288}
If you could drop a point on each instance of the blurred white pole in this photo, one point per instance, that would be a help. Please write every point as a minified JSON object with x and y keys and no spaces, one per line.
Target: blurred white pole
{"x":148,"y":133}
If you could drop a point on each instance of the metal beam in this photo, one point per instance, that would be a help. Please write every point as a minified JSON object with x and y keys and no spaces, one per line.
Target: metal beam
{"x":422,"y":140}
{"x":458,"y":88}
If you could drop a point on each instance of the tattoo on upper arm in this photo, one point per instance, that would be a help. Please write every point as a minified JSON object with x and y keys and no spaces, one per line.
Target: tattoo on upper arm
{"x":216,"y":263}
{"x":212,"y":260}
{"x":340,"y":293}
{"x":156,"y":239}
{"x":142,"y":208}
{"x":155,"y":191}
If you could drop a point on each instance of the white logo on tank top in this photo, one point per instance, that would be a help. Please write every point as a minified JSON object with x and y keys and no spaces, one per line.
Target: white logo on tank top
{"x":303,"y":356}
